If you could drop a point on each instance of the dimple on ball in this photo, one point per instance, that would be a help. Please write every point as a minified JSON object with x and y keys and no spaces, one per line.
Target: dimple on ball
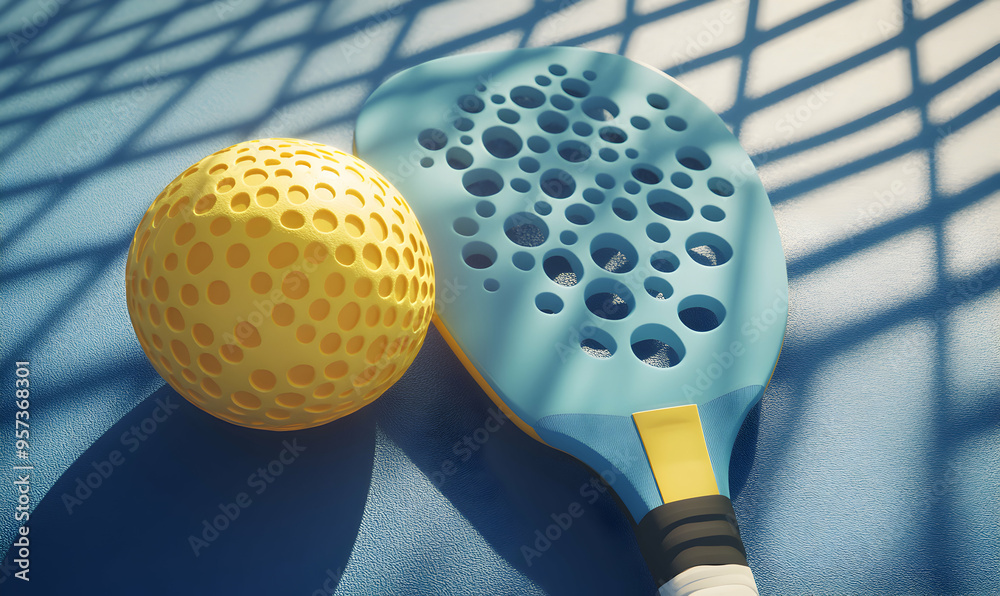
{"x":280,"y":284}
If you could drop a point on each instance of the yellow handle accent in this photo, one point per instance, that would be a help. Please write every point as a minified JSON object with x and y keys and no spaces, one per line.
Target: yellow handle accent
{"x":675,"y":445}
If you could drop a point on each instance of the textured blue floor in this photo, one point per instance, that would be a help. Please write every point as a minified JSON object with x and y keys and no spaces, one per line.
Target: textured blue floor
{"x":870,"y":467}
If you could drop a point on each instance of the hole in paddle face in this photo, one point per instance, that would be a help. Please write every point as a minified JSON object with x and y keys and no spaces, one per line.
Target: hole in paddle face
{"x":701,"y":313}
{"x":557,"y":183}
{"x":562,"y":267}
{"x":479,"y":255}
{"x":523,"y":260}
{"x":575,"y":87}
{"x":580,"y":214}
{"x":675,"y":123}
{"x":664,"y":261}
{"x":528,"y":164}
{"x":613,"y":134}
{"x":593,"y":196}
{"x":466,"y":226}
{"x":657,"y":101}
{"x":552,"y":122}
{"x":574,"y":151}
{"x":538,"y":144}
{"x":482,"y":182}
{"x":613,"y":253}
{"x":432,"y":138}
{"x":508,"y":116}
{"x":526,"y":229}
{"x":624,"y":209}
{"x":527,"y":97}
{"x":485,"y":209}
{"x":669,"y":204}
{"x":458,"y":158}
{"x":582,"y":128}
{"x":657,"y":346}
{"x":502,"y":142}
{"x":600,"y":108}
{"x":712,"y":213}
{"x":471,"y":104}
{"x":657,"y":232}
{"x":658,"y":288}
{"x":656,"y":353}
{"x":597,"y":343}
{"x":561,"y":102}
{"x":721,"y":187}
{"x":680,"y":180}
{"x":548,"y":303}
{"x":693,"y":158}
{"x":708,"y":249}
{"x":647,"y":174}
{"x":609,"y":299}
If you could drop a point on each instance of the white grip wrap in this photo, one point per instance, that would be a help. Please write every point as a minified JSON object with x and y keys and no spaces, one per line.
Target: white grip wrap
{"x":712,"y":580}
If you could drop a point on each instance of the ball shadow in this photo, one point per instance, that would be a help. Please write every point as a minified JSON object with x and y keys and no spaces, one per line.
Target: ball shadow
{"x":171,"y":501}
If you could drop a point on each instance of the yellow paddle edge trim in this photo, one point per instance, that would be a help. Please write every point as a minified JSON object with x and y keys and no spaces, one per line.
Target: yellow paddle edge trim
{"x":482,"y":381}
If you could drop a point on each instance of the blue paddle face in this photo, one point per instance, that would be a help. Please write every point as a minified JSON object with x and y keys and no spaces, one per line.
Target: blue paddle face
{"x":602,"y":243}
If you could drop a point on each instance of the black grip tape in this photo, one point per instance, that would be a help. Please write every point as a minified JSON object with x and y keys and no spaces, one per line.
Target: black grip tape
{"x":699,"y":531}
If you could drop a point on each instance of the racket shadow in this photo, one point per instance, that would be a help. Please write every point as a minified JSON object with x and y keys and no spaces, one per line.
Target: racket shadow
{"x":171,"y":501}
{"x":744,"y":452}
{"x":541,"y":510}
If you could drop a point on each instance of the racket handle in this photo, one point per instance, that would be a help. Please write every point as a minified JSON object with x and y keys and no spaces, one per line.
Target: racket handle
{"x":693,"y":548}
{"x":712,"y":580}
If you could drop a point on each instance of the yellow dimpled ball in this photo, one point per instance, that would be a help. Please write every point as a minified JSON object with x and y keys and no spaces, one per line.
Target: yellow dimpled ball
{"x":280,"y":284}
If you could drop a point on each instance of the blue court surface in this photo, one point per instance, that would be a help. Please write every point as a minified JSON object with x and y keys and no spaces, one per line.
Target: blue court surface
{"x":869,"y":468}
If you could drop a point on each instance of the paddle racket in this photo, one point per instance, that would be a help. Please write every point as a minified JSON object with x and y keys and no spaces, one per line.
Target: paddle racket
{"x":610,"y":272}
